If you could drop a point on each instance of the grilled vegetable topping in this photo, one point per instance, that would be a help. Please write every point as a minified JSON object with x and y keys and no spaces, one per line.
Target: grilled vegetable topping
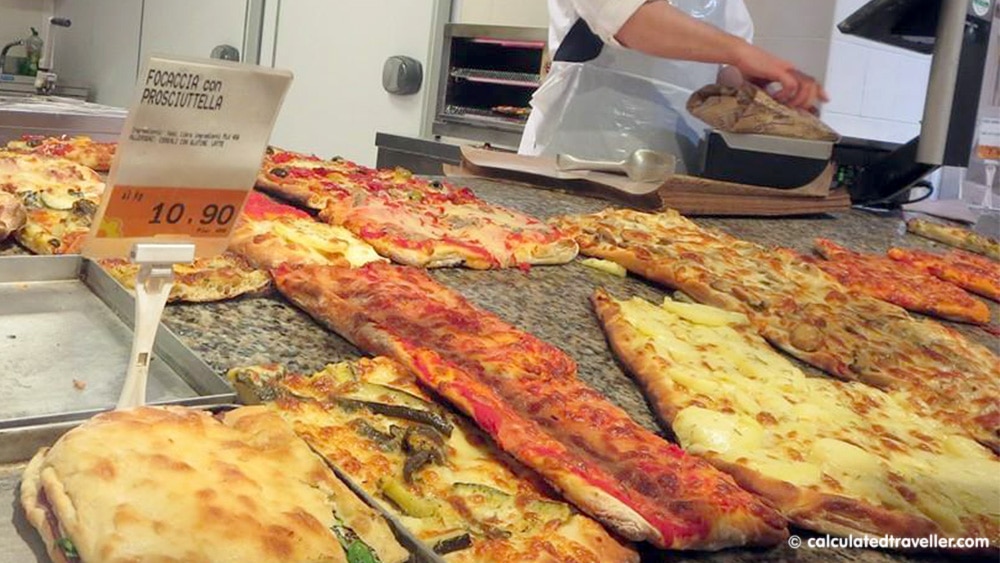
{"x":492,"y":507}
{"x":408,"y":502}
{"x":461,"y":540}
{"x":432,"y":419}
{"x":68,"y":548}
{"x":355,"y":549}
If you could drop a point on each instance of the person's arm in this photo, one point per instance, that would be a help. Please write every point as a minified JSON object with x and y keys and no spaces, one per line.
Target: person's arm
{"x":660,"y":30}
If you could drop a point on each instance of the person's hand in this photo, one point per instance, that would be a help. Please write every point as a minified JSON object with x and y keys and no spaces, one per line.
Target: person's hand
{"x":798,"y":89}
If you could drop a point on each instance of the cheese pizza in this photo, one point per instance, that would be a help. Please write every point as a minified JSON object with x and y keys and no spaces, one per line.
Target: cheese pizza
{"x":525,"y":394}
{"x":900,"y":284}
{"x":835,"y":457}
{"x":214,"y":278}
{"x":969,"y":271}
{"x":805,"y":312}
{"x":80,"y":149}
{"x":270,"y":234}
{"x":435,"y":473}
{"x":411,"y":220}
{"x":955,"y":236}
{"x":174,"y":484}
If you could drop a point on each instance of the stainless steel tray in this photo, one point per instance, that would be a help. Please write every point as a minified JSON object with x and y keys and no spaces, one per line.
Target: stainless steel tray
{"x":65,"y":337}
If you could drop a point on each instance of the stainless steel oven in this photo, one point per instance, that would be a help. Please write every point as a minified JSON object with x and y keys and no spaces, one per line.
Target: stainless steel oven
{"x":488,"y":75}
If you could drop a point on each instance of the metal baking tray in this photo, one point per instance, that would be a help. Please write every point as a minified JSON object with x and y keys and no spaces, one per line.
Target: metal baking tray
{"x":65,"y":338}
{"x":20,"y":543}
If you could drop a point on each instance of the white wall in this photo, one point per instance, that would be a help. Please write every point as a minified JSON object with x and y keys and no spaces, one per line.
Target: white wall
{"x":876,"y":91}
{"x":16,"y":19}
{"x":524,"y":13}
{"x":100,"y":50}
{"x":796,"y":30}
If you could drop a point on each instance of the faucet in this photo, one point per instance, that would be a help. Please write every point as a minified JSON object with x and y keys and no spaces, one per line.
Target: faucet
{"x":3,"y":53}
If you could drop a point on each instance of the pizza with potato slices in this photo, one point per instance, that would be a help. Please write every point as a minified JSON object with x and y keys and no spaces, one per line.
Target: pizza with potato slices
{"x":433,"y":471}
{"x":834,"y":457}
{"x":526,"y":395}
{"x":805,"y":312}
{"x":213,"y":278}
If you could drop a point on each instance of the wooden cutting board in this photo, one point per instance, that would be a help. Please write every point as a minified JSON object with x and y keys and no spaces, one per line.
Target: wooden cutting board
{"x":688,"y":194}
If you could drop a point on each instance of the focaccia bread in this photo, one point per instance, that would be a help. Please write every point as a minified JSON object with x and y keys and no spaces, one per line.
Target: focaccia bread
{"x":175,"y":484}
{"x":835,"y":457}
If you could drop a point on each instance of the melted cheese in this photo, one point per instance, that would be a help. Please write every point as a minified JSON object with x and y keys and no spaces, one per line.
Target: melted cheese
{"x":327,"y":240}
{"x":740,"y":401}
{"x":470,"y":459}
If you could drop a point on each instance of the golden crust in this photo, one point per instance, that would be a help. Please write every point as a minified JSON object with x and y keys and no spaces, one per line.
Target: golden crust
{"x":808,"y":508}
{"x":215,"y":278}
{"x":176,"y":484}
{"x":585,"y":480}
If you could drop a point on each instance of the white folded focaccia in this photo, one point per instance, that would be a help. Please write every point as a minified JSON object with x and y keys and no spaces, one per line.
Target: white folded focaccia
{"x":175,"y":484}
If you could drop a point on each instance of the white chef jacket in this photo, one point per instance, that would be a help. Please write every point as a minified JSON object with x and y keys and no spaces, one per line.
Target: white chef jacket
{"x":623,"y":100}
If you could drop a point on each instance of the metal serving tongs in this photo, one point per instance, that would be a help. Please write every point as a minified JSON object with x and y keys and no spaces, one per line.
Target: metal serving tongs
{"x":643,"y":165}
{"x":152,"y":287}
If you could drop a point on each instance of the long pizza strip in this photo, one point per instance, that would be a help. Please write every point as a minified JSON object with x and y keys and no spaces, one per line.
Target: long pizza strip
{"x":900,"y":284}
{"x":413,"y":221}
{"x":969,"y":271}
{"x":955,"y":236}
{"x":434,"y":471}
{"x":526,"y":395}
{"x":805,"y":312}
{"x":834,"y":457}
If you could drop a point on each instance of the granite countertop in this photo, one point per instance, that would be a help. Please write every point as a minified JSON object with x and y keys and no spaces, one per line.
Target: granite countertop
{"x":551,"y":302}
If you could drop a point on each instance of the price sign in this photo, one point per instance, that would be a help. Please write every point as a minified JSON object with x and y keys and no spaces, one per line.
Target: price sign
{"x":989,"y":139}
{"x":188,"y":155}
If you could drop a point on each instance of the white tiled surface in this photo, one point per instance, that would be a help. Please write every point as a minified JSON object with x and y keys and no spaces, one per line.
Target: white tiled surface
{"x":876,"y":91}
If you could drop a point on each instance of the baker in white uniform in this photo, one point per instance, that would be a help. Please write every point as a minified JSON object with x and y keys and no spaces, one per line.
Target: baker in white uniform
{"x":623,"y":70}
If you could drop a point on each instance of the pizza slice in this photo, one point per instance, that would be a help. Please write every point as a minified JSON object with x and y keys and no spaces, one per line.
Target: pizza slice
{"x":80,"y":149}
{"x":807,"y":313}
{"x":955,"y":236}
{"x":833,"y":457}
{"x":413,"y":221}
{"x":215,"y":278}
{"x":176,"y":484}
{"x":270,"y":234}
{"x":525,"y":394}
{"x":899,"y":283}
{"x":432,"y":470}
{"x":60,"y":199}
{"x":966,"y":270}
